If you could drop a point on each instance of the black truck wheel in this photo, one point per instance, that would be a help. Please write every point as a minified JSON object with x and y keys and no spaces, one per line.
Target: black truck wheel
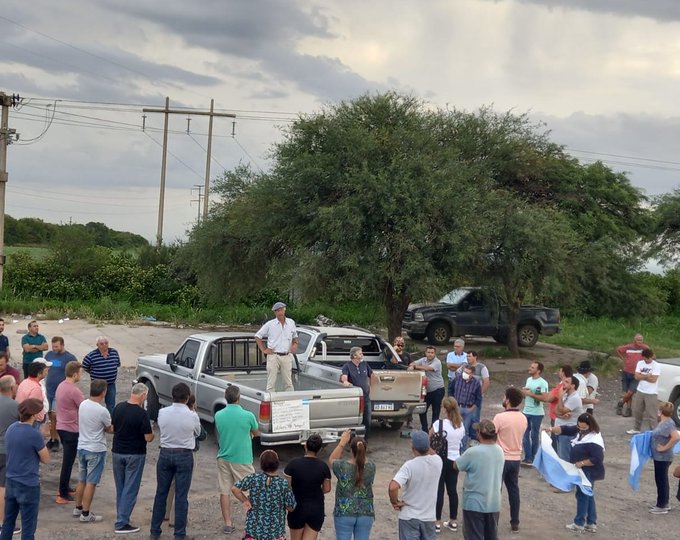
{"x":438,"y":333}
{"x":527,"y":335}
{"x":152,"y":403}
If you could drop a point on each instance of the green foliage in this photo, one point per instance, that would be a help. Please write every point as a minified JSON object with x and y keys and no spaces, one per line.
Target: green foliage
{"x":666,"y":244}
{"x":604,"y":335}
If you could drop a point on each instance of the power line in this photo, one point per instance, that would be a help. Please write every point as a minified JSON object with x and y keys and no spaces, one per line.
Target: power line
{"x":626,"y":157}
{"x":33,"y":194}
{"x":177,"y":158}
{"x":26,"y":142}
{"x":247,"y":153}
{"x":206,"y":151}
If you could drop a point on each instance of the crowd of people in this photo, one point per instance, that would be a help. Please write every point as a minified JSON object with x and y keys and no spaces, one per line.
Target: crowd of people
{"x":46,"y":411}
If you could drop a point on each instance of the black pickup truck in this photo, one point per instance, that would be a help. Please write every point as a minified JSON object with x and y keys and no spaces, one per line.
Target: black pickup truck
{"x":474,"y":311}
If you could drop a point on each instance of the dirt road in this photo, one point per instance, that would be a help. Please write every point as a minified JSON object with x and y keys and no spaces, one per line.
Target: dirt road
{"x":622,"y":513}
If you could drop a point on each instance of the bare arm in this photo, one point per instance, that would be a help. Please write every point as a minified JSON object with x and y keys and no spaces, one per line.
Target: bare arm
{"x":44,"y":455}
{"x":337,"y":451}
{"x":294,"y":345}
{"x":675,"y":437}
{"x":326,"y":485}
{"x":254,"y":433}
{"x":148,"y":437}
{"x":240,"y":496}
{"x":393,"y":492}
{"x":42,"y":346}
{"x":485,"y":384}
{"x":262,"y":346}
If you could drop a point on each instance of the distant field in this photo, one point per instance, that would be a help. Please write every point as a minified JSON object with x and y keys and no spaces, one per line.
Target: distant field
{"x":36,"y":252}
{"x":603,"y":335}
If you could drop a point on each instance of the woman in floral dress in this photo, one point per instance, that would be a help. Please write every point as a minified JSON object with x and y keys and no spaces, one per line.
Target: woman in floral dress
{"x":269,"y":498}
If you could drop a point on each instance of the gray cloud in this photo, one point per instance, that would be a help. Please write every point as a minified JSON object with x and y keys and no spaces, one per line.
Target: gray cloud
{"x":660,"y":10}
{"x":266,"y":31}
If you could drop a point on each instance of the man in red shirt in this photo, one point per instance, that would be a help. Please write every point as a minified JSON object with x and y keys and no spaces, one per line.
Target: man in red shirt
{"x":631,"y":354}
{"x":6,"y":369}
{"x":30,"y":387}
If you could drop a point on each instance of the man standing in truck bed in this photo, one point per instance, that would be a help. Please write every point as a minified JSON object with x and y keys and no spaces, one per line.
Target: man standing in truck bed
{"x":282,"y":341}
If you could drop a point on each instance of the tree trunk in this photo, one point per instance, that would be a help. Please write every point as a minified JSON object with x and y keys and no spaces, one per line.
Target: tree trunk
{"x":513,"y":318}
{"x":395,"y":307}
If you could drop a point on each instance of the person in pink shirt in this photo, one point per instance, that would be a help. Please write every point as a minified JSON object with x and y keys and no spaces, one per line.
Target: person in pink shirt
{"x":30,"y":387}
{"x":510,"y":427}
{"x":69,"y":397}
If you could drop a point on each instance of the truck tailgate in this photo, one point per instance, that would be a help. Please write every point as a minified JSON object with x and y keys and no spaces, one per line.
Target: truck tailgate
{"x":397,"y":385}
{"x":327,"y":408}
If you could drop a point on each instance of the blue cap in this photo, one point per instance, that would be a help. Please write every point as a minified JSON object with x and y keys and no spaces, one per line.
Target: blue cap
{"x":420,"y":440}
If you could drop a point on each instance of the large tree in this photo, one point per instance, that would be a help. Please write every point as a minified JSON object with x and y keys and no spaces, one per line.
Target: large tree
{"x":667,"y":227}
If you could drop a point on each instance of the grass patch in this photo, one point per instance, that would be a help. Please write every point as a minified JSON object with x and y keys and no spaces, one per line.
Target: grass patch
{"x":36,"y":252}
{"x":604,"y":335}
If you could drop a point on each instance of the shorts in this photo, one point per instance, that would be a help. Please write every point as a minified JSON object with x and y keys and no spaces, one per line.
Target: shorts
{"x":52,"y":403}
{"x":628,"y":382}
{"x":229,"y":473}
{"x":3,"y":469}
{"x":306,"y":514}
{"x":90,"y":466}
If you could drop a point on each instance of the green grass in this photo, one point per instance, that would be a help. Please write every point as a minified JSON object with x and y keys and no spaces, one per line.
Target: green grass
{"x":35,"y":252}
{"x":604,"y":335}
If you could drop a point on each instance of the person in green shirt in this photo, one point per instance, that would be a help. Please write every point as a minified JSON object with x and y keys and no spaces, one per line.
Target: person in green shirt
{"x":33,"y":345}
{"x":235,"y":429}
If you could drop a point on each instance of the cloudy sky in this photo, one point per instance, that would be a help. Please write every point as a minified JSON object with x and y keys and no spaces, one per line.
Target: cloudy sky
{"x":602,"y":74}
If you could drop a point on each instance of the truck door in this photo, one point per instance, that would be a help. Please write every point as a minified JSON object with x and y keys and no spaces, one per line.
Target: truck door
{"x":183,"y":366}
{"x":476,"y":315}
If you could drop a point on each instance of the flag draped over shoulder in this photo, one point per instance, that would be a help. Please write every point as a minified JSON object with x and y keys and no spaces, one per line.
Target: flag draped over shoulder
{"x":640,"y":454}
{"x":557,"y":472}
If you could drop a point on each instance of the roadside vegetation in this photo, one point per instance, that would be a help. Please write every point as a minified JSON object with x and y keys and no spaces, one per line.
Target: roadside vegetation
{"x":373,"y":204}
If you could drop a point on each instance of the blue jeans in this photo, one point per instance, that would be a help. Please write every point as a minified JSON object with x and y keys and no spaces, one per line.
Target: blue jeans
{"x":127,"y":474}
{"x":585,"y":508}
{"x":511,"y":481}
{"x":357,"y":527}
{"x":531,"y":437}
{"x":468,"y":418}
{"x":564,"y":446}
{"x":20,"y":498}
{"x":476,"y":415}
{"x":177,"y":464}
{"x":110,"y":397}
{"x":414,"y":529}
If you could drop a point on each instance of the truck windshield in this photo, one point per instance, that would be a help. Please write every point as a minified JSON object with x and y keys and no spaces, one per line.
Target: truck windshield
{"x":455,"y":296}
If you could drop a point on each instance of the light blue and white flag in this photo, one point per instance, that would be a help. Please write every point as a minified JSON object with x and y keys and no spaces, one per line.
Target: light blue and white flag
{"x":640,"y":454}
{"x":557,"y":472}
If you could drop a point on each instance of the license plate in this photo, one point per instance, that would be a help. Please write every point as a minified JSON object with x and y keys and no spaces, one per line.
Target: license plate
{"x":383,"y":407}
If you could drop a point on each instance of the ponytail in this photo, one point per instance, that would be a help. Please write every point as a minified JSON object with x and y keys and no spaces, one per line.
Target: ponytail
{"x":358,"y":446}
{"x":452,"y":409}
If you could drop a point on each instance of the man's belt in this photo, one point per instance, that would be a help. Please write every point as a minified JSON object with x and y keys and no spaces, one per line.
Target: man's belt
{"x":282,"y":353}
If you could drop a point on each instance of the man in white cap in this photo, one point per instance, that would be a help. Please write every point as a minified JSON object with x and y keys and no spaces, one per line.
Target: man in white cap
{"x":282,"y":343}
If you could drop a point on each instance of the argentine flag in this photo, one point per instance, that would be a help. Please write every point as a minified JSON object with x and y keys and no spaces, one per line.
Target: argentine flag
{"x":641,"y":453}
{"x":557,"y":472}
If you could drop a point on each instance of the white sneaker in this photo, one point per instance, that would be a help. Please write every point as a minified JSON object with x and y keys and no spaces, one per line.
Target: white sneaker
{"x":632,"y":432}
{"x":657,"y":510}
{"x":90,"y":518}
{"x":591,"y":528}
{"x":76,"y":512}
{"x":575,"y":528}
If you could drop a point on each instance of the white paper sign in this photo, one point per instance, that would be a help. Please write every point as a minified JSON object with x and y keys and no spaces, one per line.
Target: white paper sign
{"x":292,"y":415}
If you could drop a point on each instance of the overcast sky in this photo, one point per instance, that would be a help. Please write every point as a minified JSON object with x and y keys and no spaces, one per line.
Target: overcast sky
{"x":602,"y":74}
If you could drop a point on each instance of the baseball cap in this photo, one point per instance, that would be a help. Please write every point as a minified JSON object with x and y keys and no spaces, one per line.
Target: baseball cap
{"x":278,"y":305}
{"x":420,"y":440}
{"x":42,"y":361}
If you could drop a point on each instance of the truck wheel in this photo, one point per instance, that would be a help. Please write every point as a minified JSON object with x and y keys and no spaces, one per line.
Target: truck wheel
{"x":438,"y":333}
{"x":527,"y":335}
{"x":676,"y":411}
{"x":152,"y":403}
{"x":417,"y":337}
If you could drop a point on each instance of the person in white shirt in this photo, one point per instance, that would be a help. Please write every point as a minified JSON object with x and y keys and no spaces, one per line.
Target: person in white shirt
{"x":646,"y":399}
{"x":591,"y":382}
{"x":281,"y":345}
{"x":179,"y":427}
{"x":456,"y":358}
{"x":418,"y":500}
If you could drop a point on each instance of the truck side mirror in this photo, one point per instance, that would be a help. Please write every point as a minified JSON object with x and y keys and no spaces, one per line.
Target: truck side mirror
{"x":466,"y":305}
{"x":170,"y":360}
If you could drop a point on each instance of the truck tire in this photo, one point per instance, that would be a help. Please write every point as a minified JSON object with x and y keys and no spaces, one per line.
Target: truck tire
{"x":416,"y":337}
{"x":527,"y":335}
{"x":676,"y":411}
{"x":152,"y":403}
{"x":438,"y":333}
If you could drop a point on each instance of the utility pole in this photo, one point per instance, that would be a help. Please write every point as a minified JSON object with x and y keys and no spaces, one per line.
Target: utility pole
{"x":5,"y":134}
{"x":198,"y":187}
{"x":167,"y":111}
{"x":207,"y":164}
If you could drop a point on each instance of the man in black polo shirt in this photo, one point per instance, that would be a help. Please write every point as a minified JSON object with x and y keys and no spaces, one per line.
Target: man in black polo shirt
{"x":131,"y":432}
{"x":356,"y":372}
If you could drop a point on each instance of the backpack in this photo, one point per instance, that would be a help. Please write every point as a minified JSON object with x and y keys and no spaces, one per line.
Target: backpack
{"x":439,"y":443}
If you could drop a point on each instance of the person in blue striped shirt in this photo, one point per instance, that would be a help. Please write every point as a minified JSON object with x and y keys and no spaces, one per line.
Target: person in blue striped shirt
{"x":103,"y":363}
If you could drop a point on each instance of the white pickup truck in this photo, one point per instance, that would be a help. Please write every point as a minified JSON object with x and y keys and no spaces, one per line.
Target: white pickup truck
{"x":395,"y":394}
{"x":211,"y":362}
{"x":669,"y":384}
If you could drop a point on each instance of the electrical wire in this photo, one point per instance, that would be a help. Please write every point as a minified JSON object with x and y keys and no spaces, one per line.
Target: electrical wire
{"x":247,"y":153}
{"x":206,"y":151}
{"x":177,"y":158}
{"x":48,"y":124}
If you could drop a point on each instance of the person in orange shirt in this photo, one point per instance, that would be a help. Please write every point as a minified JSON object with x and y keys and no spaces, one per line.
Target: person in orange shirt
{"x":510,"y":427}
{"x":30,"y":387}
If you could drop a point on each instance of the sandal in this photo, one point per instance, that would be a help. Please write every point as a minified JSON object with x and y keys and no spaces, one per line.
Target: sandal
{"x":451,"y":525}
